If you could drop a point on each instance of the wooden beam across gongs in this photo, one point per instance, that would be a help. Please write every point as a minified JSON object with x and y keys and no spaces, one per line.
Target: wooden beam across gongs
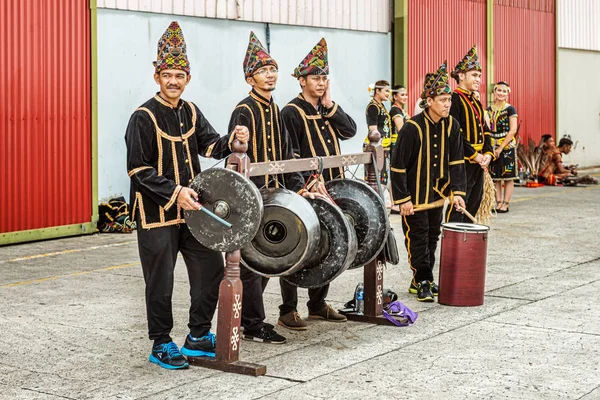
{"x":308,"y":164}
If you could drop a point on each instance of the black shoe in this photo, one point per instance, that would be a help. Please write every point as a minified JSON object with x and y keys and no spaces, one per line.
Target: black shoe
{"x":199,"y":347}
{"x":266,"y":334}
{"x":168,"y":356}
{"x":435,"y":290}
{"x":424,"y":292}
{"x":413,"y":289}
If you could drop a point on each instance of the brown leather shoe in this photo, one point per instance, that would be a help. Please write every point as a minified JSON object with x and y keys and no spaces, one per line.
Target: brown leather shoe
{"x":328,"y":314}
{"x":292,"y":321}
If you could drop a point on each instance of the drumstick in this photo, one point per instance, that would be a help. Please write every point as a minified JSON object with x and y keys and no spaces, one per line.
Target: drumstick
{"x":214,"y":216}
{"x":468,"y":214}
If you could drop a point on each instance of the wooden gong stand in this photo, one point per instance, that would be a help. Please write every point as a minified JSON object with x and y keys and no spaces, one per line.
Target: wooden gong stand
{"x":230,"y":289}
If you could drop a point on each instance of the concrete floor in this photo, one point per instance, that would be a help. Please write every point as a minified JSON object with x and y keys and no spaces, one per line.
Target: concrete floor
{"x":73,"y":323}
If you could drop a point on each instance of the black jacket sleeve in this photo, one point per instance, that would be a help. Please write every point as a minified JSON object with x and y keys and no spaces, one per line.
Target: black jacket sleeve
{"x":403,"y":156}
{"x":210,"y":143}
{"x":342,"y":123}
{"x":142,"y":161}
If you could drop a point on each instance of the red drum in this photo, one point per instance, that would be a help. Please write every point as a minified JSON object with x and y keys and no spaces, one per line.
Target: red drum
{"x":462,"y":264}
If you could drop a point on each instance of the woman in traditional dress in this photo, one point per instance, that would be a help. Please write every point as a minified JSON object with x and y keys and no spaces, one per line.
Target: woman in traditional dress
{"x":503,"y":124}
{"x":379,"y":119}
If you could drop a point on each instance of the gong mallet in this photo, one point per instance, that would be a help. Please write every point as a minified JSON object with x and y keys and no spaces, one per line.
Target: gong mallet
{"x":214,"y":216}
{"x":468,"y":214}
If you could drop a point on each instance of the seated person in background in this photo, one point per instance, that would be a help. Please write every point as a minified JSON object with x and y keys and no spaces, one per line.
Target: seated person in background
{"x":553,"y":170}
{"x":564,"y":145}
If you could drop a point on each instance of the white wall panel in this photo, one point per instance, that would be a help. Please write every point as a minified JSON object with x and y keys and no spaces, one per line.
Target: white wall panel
{"x":362,"y":15}
{"x":579,"y":104}
{"x":578,"y":24}
{"x":216,"y":50}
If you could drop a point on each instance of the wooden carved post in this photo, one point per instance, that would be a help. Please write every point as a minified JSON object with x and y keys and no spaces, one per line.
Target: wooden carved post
{"x":230,"y":299}
{"x":373,"y":271}
{"x":230,"y":310}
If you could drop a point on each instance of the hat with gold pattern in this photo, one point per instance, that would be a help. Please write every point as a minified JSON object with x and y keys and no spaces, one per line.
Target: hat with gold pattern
{"x":470,"y":62}
{"x":315,"y":63}
{"x":435,"y":84}
{"x":256,"y":57}
{"x":172,"y":53}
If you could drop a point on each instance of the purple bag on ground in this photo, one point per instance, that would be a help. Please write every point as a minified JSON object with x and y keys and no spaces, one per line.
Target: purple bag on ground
{"x":395,"y":308}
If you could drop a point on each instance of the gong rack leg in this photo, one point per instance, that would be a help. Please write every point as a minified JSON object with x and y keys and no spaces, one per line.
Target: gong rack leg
{"x":373,"y":271}
{"x":230,"y":303}
{"x":228,"y":325}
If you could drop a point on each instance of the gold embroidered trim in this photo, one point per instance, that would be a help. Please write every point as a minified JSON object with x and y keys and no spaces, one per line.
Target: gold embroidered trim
{"x":254,"y":151}
{"x":163,"y":101}
{"x":276,"y":108}
{"x":404,"y":200}
{"x":460,"y":193}
{"x":457,"y":162}
{"x":231,"y":139}
{"x":310,"y":141}
{"x":173,"y":198}
{"x":138,"y":169}
{"x":164,"y":135}
{"x":419,"y":159}
{"x":333,"y":110}
{"x":398,"y":170}
{"x":209,"y":150}
{"x":187,"y":148}
{"x":140,"y":203}
{"x":260,"y":100}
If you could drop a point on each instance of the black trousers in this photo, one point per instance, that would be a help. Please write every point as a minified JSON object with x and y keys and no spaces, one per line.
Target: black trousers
{"x":253,"y":308}
{"x":421,"y":235}
{"x":475,"y":179}
{"x":158,"y":249}
{"x":289,"y":294}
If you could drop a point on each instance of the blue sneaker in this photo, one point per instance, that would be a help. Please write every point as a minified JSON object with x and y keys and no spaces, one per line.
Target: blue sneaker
{"x":168,"y":356}
{"x":199,"y":347}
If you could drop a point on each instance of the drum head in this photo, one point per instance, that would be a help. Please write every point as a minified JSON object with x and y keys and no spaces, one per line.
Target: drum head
{"x":234,"y":198}
{"x":464,"y":227}
{"x":337,"y":248}
{"x":366,"y":212}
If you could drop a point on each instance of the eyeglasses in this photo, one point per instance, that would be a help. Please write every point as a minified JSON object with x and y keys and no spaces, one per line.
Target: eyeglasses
{"x":266,"y":71}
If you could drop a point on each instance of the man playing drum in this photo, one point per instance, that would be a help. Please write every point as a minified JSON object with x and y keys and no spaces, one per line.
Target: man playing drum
{"x":427,"y":166}
{"x":315,"y":124}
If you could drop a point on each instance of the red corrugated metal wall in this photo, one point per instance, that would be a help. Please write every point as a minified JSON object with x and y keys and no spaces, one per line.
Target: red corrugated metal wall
{"x":45,"y":113}
{"x":525,"y":57}
{"x":439,"y":30}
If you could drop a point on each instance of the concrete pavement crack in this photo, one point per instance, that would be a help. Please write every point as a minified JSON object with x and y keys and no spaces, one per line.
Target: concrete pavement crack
{"x":286,"y":379}
{"x":545,"y":276}
{"x":591,"y":391}
{"x":390,"y":351}
{"x":51,"y":394}
{"x":545,"y":328}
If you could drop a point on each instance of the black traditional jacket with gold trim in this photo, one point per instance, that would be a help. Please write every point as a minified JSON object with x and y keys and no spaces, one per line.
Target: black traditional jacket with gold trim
{"x":269,"y":139}
{"x":470,"y":114}
{"x":163,"y":145}
{"x":317,"y":132}
{"x":427,"y":163}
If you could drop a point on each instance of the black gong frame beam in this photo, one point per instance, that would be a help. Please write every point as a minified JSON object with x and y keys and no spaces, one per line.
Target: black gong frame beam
{"x":230,"y":289}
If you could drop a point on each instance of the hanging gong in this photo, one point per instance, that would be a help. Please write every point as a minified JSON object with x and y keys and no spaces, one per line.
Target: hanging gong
{"x":336,"y":251}
{"x":367,"y":214}
{"x":231,"y":197}
{"x":288,"y":235}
